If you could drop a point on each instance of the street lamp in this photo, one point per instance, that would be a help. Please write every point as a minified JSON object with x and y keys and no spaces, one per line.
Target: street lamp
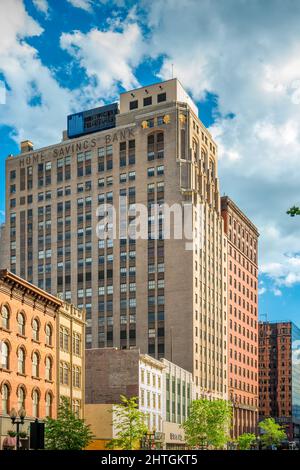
{"x":18,"y":421}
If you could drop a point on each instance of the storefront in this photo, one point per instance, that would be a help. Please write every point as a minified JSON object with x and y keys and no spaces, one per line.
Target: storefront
{"x":174,"y":436}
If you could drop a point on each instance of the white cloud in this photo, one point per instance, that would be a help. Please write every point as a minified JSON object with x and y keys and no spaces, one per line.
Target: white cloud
{"x":42,"y":6}
{"x":36,"y":105}
{"x":247,"y":53}
{"x":83,"y":4}
{"x":108,"y":57}
{"x":262,"y":290}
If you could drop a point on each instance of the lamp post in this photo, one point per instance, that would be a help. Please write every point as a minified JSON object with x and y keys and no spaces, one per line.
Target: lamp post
{"x":18,"y":421}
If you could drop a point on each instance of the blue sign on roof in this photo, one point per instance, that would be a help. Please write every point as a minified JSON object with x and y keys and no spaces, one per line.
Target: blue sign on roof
{"x":93,"y":120}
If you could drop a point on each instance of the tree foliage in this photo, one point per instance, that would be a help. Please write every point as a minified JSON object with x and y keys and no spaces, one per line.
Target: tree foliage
{"x":208,"y":423}
{"x":294,"y":211}
{"x":130,"y":424}
{"x":67,"y":432}
{"x":245,"y":440}
{"x":272,"y":433}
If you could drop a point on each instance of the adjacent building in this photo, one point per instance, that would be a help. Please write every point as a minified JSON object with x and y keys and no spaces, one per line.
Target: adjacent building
{"x":164,"y":391}
{"x":242,"y":309}
{"x":165,"y":295}
{"x":279,"y":375}
{"x":37,"y":361}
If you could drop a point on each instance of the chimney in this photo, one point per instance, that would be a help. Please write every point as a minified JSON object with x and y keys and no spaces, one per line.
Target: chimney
{"x":26,"y":146}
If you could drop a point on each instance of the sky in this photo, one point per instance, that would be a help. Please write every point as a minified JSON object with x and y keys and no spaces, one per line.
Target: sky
{"x":239,"y":60}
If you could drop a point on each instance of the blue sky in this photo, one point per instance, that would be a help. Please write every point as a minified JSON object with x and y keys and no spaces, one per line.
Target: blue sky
{"x":61,"y":56}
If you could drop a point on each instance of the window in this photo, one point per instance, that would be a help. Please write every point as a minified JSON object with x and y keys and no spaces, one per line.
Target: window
{"x":161,"y":97}
{"x":76,"y":376}
{"x":5,"y":355}
{"x":64,"y":339}
{"x":5,"y":399}
{"x":35,"y":330}
{"x":5,"y":317}
{"x":150,"y":172}
{"x":35,"y":365}
{"x":160,"y":170}
{"x":64,"y":373}
{"x":21,"y":398}
{"x":35,"y":403}
{"x":76,"y":343}
{"x":147,"y":101}
{"x":21,"y":361}
{"x":48,"y":405}
{"x":21,"y":324}
{"x":48,"y":331}
{"x":48,"y":364}
{"x":133,"y":104}
{"x":76,"y":408}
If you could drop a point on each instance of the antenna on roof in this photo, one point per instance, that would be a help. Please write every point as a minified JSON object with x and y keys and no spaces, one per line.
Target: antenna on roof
{"x":172,"y":70}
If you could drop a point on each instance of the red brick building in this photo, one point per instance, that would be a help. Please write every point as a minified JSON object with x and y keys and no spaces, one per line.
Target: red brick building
{"x":39,"y":334}
{"x":279,"y":375}
{"x":242,"y":308}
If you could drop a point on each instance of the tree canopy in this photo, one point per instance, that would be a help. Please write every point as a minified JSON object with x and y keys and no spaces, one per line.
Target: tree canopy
{"x":129,"y":422}
{"x":67,"y":432}
{"x":208,"y":423}
{"x":272,"y":433}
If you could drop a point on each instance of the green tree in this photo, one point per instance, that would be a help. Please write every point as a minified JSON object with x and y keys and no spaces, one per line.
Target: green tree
{"x":245,"y":441}
{"x":67,"y":432}
{"x":208,"y":423}
{"x":272,"y":433}
{"x":294,"y":211}
{"x":130,"y":424}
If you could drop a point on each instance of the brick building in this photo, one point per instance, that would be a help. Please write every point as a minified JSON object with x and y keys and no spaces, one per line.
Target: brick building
{"x":42,"y":350}
{"x":153,"y":150}
{"x":279,"y":375}
{"x":242,"y":309}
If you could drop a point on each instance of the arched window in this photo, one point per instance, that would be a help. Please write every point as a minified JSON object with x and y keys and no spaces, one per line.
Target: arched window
{"x":48,"y":368}
{"x":48,"y":405}
{"x":35,"y":330}
{"x":21,"y":324}
{"x":35,"y":365}
{"x":21,"y":361}
{"x":21,"y":398}
{"x":5,"y":399}
{"x":35,"y":403}
{"x":5,"y":317}
{"x":5,"y":355}
{"x":48,"y":331}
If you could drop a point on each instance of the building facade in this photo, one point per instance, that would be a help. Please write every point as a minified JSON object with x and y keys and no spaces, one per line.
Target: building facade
{"x":242,"y":309}
{"x":178,"y":392}
{"x":164,"y":391}
{"x":31,"y":351}
{"x":279,"y":375}
{"x":151,"y":293}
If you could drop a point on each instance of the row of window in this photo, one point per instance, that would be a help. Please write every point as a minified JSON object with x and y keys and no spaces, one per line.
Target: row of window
{"x":22,"y":401}
{"x":21,"y":322}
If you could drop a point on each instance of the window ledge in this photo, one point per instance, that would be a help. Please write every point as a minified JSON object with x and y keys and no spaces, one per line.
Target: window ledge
{"x":35,"y":378}
{"x":21,"y":374}
{"x":2,"y":328}
{"x":21,"y":336}
{"x":35,"y":341}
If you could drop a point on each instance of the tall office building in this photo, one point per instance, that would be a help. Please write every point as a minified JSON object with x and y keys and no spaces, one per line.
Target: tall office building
{"x":242,"y":307}
{"x":152,"y":292}
{"x":279,"y":375}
